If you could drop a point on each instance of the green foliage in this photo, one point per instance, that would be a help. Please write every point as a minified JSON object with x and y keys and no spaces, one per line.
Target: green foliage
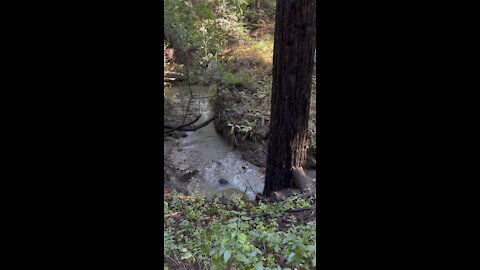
{"x":266,"y":12}
{"x":216,"y":236}
{"x":246,"y":128}
{"x":241,"y":79}
{"x":203,"y":25}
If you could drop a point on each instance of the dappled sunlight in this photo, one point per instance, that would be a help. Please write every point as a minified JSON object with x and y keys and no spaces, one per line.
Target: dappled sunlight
{"x":218,"y":76}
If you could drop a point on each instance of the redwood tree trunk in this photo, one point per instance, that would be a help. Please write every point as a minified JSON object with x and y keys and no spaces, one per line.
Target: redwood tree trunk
{"x":292,"y":81}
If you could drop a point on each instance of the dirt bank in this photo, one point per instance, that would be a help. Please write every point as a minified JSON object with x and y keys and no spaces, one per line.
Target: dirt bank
{"x":243,"y":118}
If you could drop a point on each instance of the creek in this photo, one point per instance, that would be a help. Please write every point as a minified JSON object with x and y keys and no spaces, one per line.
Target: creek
{"x":204,"y":163}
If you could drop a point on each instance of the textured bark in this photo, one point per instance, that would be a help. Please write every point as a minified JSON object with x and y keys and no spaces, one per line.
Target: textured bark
{"x":301,"y":180}
{"x":292,"y":81}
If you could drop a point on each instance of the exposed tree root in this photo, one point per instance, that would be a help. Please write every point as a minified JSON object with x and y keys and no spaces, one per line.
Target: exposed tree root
{"x":187,"y":127}
{"x":172,"y":129}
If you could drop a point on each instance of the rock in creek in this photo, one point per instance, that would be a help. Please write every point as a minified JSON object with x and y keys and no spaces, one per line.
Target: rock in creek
{"x":230,"y":193}
{"x":186,"y":177}
{"x":223,"y":181}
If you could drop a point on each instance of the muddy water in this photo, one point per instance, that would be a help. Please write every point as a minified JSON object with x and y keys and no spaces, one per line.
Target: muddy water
{"x":206,"y":155}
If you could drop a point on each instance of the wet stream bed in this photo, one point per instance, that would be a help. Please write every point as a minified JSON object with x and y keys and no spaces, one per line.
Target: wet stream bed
{"x":202,"y":162}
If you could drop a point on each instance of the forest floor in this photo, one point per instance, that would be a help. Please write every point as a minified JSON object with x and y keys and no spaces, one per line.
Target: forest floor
{"x":239,"y":234}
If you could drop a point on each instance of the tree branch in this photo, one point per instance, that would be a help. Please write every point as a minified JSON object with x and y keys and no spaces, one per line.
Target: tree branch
{"x":172,"y":129}
{"x":185,"y":127}
{"x":195,"y":128}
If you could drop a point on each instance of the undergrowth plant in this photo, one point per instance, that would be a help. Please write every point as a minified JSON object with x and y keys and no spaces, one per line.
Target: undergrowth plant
{"x":213,"y":235}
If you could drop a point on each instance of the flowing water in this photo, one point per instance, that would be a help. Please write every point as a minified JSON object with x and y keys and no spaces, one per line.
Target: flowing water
{"x":205,"y":154}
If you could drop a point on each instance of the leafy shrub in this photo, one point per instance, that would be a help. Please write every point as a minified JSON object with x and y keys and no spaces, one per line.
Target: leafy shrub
{"x":217,"y":236}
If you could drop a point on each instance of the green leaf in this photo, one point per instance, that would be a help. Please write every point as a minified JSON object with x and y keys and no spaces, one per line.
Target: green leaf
{"x":259,"y":266}
{"x":226,"y":255}
{"x":232,"y":220}
{"x":290,"y":257}
{"x":186,"y":256}
{"x":287,"y":239}
{"x":242,"y":258}
{"x":246,"y":247}
{"x":242,"y":237}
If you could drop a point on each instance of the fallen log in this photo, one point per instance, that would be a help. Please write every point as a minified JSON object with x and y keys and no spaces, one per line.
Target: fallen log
{"x":181,"y":126}
{"x":192,"y":128}
{"x":167,"y":79}
{"x":173,"y":73}
{"x":174,"y":76}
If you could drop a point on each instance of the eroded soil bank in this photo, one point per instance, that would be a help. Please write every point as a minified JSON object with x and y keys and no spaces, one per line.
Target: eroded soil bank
{"x":212,"y":160}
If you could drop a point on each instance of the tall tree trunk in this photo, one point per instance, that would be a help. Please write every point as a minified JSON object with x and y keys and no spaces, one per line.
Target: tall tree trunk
{"x":292,"y":81}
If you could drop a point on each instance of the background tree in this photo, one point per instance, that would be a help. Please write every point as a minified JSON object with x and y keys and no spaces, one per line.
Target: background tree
{"x":293,"y":61}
